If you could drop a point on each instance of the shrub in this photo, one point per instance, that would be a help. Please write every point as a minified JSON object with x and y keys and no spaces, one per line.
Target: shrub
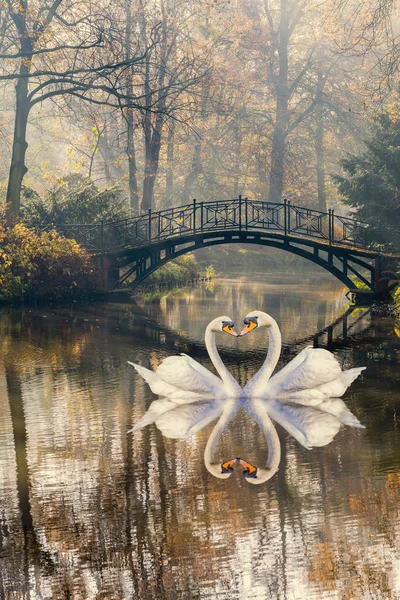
{"x":72,"y":201}
{"x":42,"y":265}
{"x":360,"y":285}
{"x":179,"y":271}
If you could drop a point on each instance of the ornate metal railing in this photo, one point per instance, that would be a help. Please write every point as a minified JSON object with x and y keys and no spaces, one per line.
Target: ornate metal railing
{"x":240,"y":214}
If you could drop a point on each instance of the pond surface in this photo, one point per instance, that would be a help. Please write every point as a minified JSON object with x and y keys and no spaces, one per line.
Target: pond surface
{"x":89,"y":512}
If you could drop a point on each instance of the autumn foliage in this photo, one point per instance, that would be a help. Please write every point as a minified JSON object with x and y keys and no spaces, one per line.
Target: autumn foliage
{"x":42,"y":265}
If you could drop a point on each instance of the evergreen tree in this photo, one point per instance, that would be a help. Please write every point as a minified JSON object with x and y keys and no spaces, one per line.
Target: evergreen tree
{"x":371,"y":184}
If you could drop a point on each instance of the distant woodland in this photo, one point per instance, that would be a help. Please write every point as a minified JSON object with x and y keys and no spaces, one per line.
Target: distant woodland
{"x":168,"y":100}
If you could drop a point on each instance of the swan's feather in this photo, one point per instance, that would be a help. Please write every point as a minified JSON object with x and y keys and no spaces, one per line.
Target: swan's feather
{"x":155,"y":410}
{"x":196,"y":365}
{"x":308,"y":426}
{"x":336,"y":407}
{"x":186,"y":420}
{"x":162,"y":388}
{"x":338,"y":387}
{"x":184,"y":372}
{"x":332,"y":389}
{"x":311,"y":368}
{"x":295,"y":362}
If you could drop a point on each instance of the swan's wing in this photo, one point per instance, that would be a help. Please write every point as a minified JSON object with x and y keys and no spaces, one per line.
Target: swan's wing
{"x":338,"y":386}
{"x":179,"y":392}
{"x":196,"y":365}
{"x":295,"y":362}
{"x":284,"y":372}
{"x":317,"y":367}
{"x":332,"y":389}
{"x":336,"y":407}
{"x":186,"y":373}
{"x":186,"y":420}
{"x":307,"y":425}
{"x":155,"y":410}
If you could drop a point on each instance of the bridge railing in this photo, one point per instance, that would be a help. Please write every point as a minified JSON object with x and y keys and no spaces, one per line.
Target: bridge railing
{"x":240,"y":214}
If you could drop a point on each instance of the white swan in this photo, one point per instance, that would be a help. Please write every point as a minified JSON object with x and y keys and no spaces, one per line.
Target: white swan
{"x":181,"y":421}
{"x":310,"y":378}
{"x":194,"y":396}
{"x":303,"y":397}
{"x":182,"y":379}
{"x":286,"y":403}
{"x":311,"y":427}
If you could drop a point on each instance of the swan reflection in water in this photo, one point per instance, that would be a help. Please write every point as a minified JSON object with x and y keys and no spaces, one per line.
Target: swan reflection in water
{"x":298,"y":398}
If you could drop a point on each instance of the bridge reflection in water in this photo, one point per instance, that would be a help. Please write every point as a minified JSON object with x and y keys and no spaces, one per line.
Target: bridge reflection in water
{"x":89,"y":512}
{"x":131,"y":249}
{"x":338,"y":334}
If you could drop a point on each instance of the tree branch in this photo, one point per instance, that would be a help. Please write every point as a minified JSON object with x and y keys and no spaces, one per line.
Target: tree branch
{"x":40,"y":26}
{"x":301,"y":117}
{"x":102,"y":68}
{"x":55,"y":49}
{"x":301,"y":73}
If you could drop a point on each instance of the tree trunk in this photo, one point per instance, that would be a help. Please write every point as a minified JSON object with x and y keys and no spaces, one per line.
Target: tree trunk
{"x":320,"y":150}
{"x":130,"y":122}
{"x":20,"y":145}
{"x":169,"y":182}
{"x":147,"y":196}
{"x":277,"y":164}
{"x":153,"y":131}
{"x":238,"y":152}
{"x":196,"y":166}
{"x":132,"y":168}
{"x":107,"y":154}
{"x":195,"y":170}
{"x":153,"y":146}
{"x":276,"y":177}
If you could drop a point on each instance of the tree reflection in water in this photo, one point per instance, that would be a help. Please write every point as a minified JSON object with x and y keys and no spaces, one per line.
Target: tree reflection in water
{"x":89,"y":512}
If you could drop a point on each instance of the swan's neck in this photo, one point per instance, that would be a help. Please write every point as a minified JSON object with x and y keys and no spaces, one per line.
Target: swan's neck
{"x":230,"y":409}
{"x":258,"y":411}
{"x":271,"y":360}
{"x":228,"y":379}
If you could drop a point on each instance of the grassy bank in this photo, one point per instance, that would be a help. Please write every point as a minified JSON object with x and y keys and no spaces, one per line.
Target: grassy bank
{"x":181,"y":272}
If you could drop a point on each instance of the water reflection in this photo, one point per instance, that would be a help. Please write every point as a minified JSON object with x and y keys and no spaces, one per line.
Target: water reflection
{"x":87,"y":511}
{"x":314,"y":426}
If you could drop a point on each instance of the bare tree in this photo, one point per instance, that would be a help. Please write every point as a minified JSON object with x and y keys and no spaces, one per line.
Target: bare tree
{"x":45,"y":66}
{"x":170,"y":74}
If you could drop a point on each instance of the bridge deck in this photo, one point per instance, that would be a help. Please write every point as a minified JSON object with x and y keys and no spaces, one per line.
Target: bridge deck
{"x":131,"y":249}
{"x":242,"y":214}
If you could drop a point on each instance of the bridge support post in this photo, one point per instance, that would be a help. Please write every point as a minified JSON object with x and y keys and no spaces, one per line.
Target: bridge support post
{"x":112,"y":276}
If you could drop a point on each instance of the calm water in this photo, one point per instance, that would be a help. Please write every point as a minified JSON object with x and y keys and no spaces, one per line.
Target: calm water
{"x":89,"y":512}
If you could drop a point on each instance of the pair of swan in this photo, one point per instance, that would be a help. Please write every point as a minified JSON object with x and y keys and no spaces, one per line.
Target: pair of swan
{"x":304,"y":397}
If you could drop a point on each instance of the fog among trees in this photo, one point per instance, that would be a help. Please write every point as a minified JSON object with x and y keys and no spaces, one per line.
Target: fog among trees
{"x":170,"y":100}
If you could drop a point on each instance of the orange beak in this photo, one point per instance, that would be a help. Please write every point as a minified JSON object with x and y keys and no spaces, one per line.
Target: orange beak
{"x":230,"y":330}
{"x":250,"y":471}
{"x":249,"y":327}
{"x":227,"y":467}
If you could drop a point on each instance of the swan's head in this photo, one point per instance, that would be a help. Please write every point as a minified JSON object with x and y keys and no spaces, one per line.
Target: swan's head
{"x":222,"y":324}
{"x":256,"y":318}
{"x":256,"y":475}
{"x":222,"y":471}
{"x":261,"y":477}
{"x":250,"y":472}
{"x":225,"y":470}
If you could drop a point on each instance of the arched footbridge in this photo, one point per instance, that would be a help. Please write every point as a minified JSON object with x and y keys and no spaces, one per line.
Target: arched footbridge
{"x":129,"y":250}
